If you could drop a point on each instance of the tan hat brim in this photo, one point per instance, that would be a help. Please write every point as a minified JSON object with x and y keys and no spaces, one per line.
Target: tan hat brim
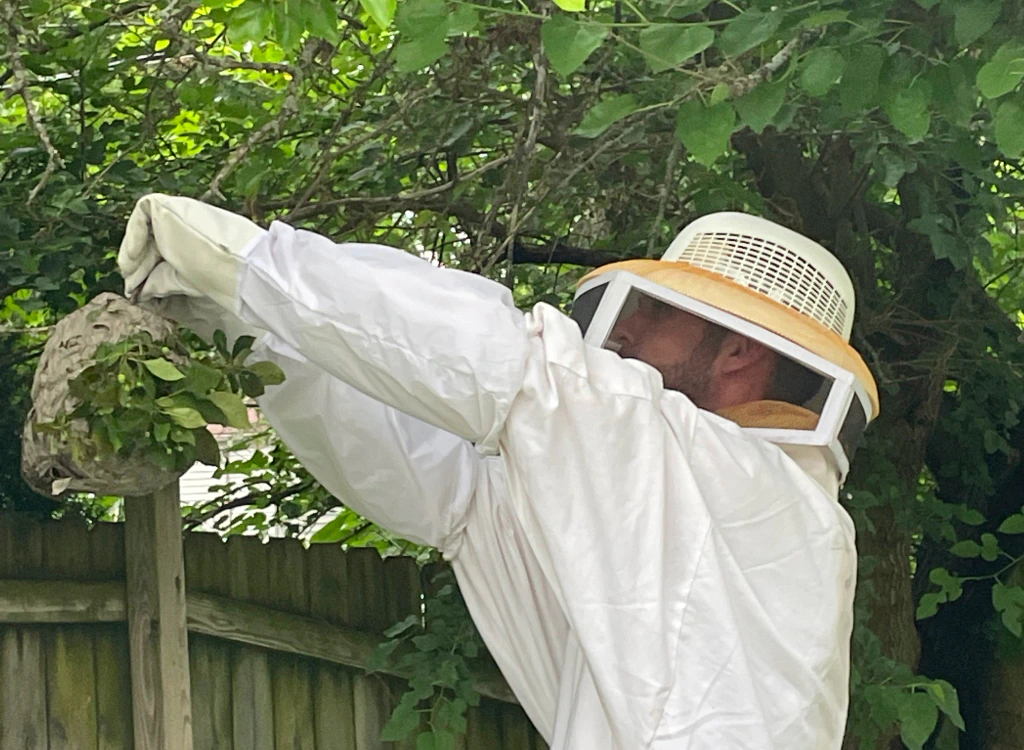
{"x":757,"y":308}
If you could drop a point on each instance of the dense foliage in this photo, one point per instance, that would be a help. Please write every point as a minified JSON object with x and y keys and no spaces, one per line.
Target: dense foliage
{"x":528,"y":141}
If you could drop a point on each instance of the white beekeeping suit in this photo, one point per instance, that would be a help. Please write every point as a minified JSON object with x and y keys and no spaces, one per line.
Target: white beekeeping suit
{"x":646,"y":574}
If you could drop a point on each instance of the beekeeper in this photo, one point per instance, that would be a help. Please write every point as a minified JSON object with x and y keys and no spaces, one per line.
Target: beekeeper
{"x":640,"y":504}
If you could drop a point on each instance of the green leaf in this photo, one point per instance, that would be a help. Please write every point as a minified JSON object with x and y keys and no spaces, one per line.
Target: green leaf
{"x":928,"y":605}
{"x":1013,"y":525}
{"x":1003,"y":73}
{"x":572,"y":6}
{"x":822,"y":70}
{"x":719,"y":93}
{"x":758,"y":108}
{"x":207,"y":448}
{"x":331,"y":531}
{"x":748,"y":30}
{"x":427,"y":642}
{"x":288,"y":24}
{"x":824,"y":18}
{"x":381,"y":11}
{"x":400,"y":627}
{"x":975,"y":18}
{"x":185,"y":416}
{"x":242,"y":345}
{"x":908,"y":111}
{"x":1009,"y":601}
{"x":666,"y":45}
{"x":952,"y":587}
{"x":1009,"y":128}
{"x":161,"y":431}
{"x":966,"y":548}
{"x":437,"y":740}
{"x":569,"y":43}
{"x":250,"y":22}
{"x":161,"y":368}
{"x":251,"y":385}
{"x":704,"y":130}
{"x":989,"y":547}
{"x":462,"y":20}
{"x":268,"y":372}
{"x":322,"y":20}
{"x":918,"y":717}
{"x":947,"y":699}
{"x":858,"y":91}
{"x":416,"y":54}
{"x":422,"y":18}
{"x":233,"y":408}
{"x":200,"y":379}
{"x":969,"y":516}
{"x":604,"y":114}
{"x":220,"y":340}
{"x":403,"y":722}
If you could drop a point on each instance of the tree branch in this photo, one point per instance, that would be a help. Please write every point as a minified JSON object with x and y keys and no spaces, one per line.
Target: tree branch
{"x":20,"y":88}
{"x":670,"y":168}
{"x":748,"y":83}
{"x":289,"y":106}
{"x":315,"y":208}
{"x":557,"y":252}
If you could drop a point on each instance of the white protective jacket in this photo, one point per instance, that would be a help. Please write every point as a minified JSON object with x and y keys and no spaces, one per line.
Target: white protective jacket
{"x":646,"y":575}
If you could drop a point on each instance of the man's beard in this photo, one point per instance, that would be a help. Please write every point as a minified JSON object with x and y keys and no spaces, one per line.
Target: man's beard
{"x":692,"y":376}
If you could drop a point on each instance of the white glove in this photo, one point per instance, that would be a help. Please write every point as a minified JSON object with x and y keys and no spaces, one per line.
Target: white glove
{"x":174,"y":246}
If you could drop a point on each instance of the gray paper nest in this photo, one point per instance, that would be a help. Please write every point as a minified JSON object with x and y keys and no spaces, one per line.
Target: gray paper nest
{"x":46,"y":462}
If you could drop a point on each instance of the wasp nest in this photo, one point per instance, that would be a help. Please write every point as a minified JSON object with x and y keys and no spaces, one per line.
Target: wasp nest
{"x":47,"y":462}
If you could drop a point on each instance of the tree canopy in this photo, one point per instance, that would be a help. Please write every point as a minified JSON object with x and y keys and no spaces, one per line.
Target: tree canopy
{"x":529,"y":141}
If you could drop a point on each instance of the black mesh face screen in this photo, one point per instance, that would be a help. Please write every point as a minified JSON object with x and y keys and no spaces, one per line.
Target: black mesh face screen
{"x":852,"y":431}
{"x":584,"y":307}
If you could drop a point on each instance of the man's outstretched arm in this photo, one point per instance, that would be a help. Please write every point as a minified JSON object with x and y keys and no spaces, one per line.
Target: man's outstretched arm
{"x":443,"y":346}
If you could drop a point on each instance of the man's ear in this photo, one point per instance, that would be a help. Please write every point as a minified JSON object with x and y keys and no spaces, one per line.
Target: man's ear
{"x":739,"y":353}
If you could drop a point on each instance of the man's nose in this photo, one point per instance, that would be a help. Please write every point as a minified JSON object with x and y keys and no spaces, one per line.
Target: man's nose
{"x":625,"y":332}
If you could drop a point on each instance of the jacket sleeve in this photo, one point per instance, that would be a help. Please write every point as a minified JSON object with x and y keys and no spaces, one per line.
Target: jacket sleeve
{"x":443,"y":346}
{"x":404,"y":474}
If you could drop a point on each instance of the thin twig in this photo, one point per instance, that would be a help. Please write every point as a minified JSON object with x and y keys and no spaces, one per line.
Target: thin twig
{"x":4,"y":331}
{"x":315,"y":208}
{"x":525,"y":159}
{"x":748,"y":83}
{"x":289,"y":106}
{"x":21,"y":88}
{"x":670,"y":169}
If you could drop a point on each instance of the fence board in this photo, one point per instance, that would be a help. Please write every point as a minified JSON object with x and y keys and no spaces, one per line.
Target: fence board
{"x":113,"y":674}
{"x":279,"y":636}
{"x":252,"y":702}
{"x":209,"y":658}
{"x":21,"y":545}
{"x":70,"y":660}
{"x":516,"y":731}
{"x":367,"y":604}
{"x":23,"y":722}
{"x":483,"y":726}
{"x":293,"y":700}
{"x":333,"y":694}
{"x":157,"y":635}
{"x":401,"y":598}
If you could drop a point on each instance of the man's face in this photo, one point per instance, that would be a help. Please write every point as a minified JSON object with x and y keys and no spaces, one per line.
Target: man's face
{"x":674,"y":342}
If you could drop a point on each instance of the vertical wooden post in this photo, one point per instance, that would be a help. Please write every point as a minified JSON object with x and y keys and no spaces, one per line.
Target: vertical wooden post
{"x":158,"y":639}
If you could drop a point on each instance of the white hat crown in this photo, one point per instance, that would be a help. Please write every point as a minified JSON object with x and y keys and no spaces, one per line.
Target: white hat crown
{"x":772,"y":260}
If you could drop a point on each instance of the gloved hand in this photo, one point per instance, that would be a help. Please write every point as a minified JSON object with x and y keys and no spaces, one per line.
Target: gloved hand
{"x":179,"y":246}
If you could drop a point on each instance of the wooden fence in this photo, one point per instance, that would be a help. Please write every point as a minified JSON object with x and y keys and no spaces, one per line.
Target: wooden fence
{"x":277,"y":638}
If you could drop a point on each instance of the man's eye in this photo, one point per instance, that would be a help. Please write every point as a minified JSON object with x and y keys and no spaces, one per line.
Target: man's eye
{"x":654,"y":308}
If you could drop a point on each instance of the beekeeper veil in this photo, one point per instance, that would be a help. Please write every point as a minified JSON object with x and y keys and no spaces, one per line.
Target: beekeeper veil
{"x":772,"y":285}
